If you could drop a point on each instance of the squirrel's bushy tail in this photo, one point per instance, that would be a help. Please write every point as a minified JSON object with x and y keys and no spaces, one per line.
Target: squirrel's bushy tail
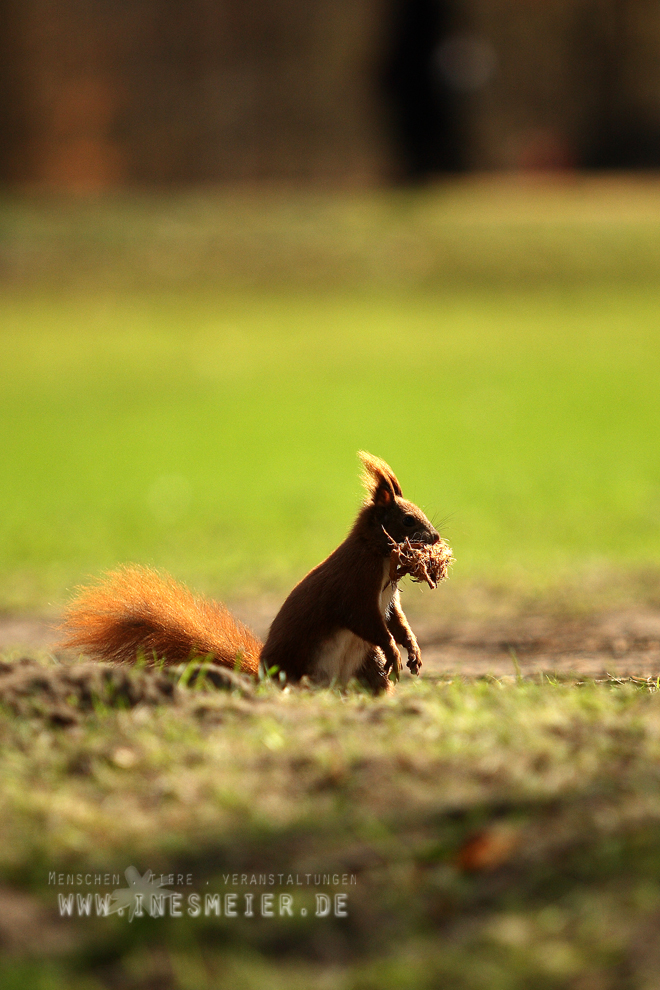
{"x":137,"y":611}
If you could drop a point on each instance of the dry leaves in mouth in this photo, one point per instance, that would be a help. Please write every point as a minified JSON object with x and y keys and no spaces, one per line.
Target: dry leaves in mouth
{"x":422,"y":561}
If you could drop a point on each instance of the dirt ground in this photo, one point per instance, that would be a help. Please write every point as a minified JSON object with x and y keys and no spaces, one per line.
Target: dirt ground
{"x":620,"y":644}
{"x":624,"y":643}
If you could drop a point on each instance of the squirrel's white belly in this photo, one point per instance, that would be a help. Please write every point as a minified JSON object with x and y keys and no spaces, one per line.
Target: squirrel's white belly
{"x":340,"y":658}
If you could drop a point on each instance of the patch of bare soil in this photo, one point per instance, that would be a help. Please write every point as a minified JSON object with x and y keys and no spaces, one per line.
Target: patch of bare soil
{"x":63,"y":693}
{"x":624,"y":643}
{"x":25,"y":633}
{"x":618,"y":644}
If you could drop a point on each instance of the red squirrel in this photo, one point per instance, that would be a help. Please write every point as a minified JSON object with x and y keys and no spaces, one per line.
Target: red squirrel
{"x":343,"y":620}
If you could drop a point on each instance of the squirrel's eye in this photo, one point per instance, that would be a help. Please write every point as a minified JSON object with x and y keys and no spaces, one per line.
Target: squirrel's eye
{"x":408,"y":520}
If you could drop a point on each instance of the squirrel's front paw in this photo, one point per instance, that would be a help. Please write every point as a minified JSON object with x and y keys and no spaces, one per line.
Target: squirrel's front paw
{"x":414,"y":662}
{"x":393,"y":663}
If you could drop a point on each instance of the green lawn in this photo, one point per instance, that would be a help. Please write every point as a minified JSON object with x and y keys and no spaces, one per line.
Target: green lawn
{"x":214,"y":433}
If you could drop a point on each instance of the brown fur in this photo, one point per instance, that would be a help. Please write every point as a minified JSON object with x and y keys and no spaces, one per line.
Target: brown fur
{"x":345,"y":600}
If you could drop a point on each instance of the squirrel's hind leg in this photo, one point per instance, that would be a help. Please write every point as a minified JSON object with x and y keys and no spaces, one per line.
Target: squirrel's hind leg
{"x":372,"y":673}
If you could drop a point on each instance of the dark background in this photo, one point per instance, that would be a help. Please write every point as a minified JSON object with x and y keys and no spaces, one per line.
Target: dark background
{"x":97,"y":94}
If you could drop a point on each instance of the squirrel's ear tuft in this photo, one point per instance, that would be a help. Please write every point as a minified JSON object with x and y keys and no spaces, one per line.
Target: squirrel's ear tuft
{"x":379,"y":479}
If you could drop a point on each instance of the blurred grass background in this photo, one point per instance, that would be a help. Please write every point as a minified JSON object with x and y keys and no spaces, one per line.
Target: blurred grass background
{"x":185,"y":379}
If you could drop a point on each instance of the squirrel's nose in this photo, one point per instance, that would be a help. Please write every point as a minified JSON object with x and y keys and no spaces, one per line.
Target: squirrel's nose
{"x":435,"y":538}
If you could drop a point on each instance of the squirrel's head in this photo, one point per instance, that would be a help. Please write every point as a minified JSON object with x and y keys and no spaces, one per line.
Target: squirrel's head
{"x":389,"y":510}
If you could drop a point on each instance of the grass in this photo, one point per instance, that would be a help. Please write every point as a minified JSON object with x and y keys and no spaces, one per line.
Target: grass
{"x":215,"y":434}
{"x":207,"y":422}
{"x":211,"y":429}
{"x":471,"y":232}
{"x":497,"y":832}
